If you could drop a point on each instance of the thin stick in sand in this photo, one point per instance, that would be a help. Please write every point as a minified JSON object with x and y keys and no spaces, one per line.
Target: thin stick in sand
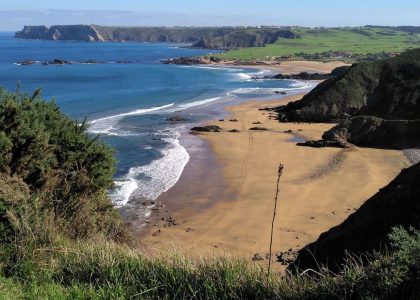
{"x":279,"y":173}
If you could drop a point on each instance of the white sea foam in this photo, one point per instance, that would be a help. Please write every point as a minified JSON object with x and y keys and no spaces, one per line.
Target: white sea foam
{"x":214,"y":68}
{"x":123,"y":190}
{"x":244,"y":76}
{"x":197,"y":103}
{"x":107,"y":124}
{"x":157,"y":177}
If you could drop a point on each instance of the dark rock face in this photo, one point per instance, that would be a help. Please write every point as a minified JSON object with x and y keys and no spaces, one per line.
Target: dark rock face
{"x":367,"y":229}
{"x":203,"y":37}
{"x":323,"y":143}
{"x":303,"y":76}
{"x":241,"y":38}
{"x":389,"y":89}
{"x":368,"y":131}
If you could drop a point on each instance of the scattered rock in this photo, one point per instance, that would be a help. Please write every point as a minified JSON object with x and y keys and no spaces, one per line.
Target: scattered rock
{"x":233,"y":130}
{"x":58,"y":62}
{"x":258,"y":128}
{"x":169,"y":222}
{"x":176,"y":119}
{"x":157,"y":232}
{"x":257,"y":123}
{"x":233,"y":120}
{"x":221,"y":120}
{"x":208,"y":128}
{"x":324,"y":143}
{"x":283,"y":93}
{"x":90,"y":62}
{"x":188,"y":229}
{"x":26,"y":62}
{"x":286,"y":258}
{"x":288,"y":131}
{"x":257,"y":257}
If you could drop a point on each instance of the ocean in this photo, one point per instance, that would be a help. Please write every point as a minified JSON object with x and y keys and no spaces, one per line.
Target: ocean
{"x":127,"y":97}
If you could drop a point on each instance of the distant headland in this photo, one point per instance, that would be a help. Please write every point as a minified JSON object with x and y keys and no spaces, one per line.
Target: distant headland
{"x":200,"y":37}
{"x":250,"y":44}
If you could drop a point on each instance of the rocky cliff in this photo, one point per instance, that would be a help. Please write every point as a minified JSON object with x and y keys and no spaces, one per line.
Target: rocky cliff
{"x":203,"y":37}
{"x":65,"y":33}
{"x":369,"y":131}
{"x":389,"y":89}
{"x":397,"y":204}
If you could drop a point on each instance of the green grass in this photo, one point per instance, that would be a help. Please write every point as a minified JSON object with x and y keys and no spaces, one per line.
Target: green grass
{"x":104,"y":270}
{"x":366,"y":40}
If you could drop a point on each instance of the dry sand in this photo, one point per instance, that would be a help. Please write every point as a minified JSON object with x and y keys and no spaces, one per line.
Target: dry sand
{"x":319,"y":189}
{"x":294,"y":67}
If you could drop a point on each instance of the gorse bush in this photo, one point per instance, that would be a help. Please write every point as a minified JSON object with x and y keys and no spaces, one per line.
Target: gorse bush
{"x":50,"y":158}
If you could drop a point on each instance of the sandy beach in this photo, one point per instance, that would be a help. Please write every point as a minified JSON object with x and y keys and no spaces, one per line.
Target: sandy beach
{"x":225,"y":206}
{"x":289,"y":67}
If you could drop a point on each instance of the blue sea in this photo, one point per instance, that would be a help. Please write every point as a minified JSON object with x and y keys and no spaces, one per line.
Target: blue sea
{"x":127,"y":97}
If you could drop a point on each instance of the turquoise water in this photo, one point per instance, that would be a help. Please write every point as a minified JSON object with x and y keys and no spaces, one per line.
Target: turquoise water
{"x":127,"y":97}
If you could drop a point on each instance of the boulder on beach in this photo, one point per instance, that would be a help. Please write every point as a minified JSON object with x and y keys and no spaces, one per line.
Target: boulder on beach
{"x":258,"y":128}
{"x":207,"y":128}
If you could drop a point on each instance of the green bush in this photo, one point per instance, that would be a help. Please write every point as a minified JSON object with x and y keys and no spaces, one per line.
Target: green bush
{"x":67,"y":171}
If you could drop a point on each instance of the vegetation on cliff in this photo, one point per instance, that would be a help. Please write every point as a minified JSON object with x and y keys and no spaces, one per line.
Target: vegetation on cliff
{"x":388,"y":89}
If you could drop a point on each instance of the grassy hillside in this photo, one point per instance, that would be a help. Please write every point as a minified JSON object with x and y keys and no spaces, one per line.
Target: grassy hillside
{"x":387,"y":89}
{"x":320,"y":43}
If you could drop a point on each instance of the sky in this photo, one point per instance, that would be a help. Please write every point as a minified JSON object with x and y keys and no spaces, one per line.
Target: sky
{"x":16,"y":13}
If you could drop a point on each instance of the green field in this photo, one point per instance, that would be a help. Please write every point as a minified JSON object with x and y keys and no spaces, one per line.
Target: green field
{"x":314,"y":43}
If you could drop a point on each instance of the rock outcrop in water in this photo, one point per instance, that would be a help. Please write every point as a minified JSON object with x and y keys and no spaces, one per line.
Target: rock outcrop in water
{"x":202,"y":37}
{"x":397,"y":204}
